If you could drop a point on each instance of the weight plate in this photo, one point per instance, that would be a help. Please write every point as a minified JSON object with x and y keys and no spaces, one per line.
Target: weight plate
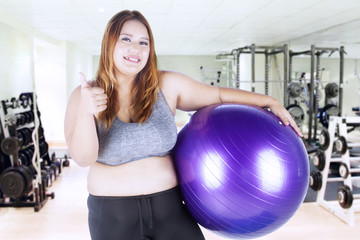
{"x":315,"y":181}
{"x":319,"y":160}
{"x":297,"y":113}
{"x":294,"y":89}
{"x":12,"y":183}
{"x":341,"y":145}
{"x":345,"y":197}
{"x":10,"y":145}
{"x":324,"y":139}
{"x":331,"y":90}
{"x":343,"y":170}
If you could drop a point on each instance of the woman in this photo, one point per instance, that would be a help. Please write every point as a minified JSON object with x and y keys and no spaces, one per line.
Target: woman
{"x":122,"y":126}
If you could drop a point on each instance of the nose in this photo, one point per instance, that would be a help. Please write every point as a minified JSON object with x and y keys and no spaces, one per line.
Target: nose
{"x":134,"y":48}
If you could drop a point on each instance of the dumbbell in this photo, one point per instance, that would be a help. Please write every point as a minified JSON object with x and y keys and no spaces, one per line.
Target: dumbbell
{"x":66,"y":162}
{"x":344,"y":171}
{"x":25,"y":136}
{"x":341,"y":145}
{"x":346,"y":197}
{"x":319,"y":159}
{"x":26,"y":99}
{"x":44,"y":148}
{"x":13,"y":103}
{"x":24,"y":118}
{"x":315,"y":180}
{"x":324,"y":139}
{"x":51,"y":173}
{"x":46,"y":178}
{"x":16,"y":181}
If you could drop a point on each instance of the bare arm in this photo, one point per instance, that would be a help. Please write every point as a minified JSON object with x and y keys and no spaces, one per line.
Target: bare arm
{"x":80,"y":128}
{"x":192,"y":95}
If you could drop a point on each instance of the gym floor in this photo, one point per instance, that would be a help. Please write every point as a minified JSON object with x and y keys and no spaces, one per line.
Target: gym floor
{"x":65,"y":217}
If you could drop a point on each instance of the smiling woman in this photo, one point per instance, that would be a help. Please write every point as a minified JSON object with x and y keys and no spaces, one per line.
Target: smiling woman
{"x":122,"y":125}
{"x":133,"y":48}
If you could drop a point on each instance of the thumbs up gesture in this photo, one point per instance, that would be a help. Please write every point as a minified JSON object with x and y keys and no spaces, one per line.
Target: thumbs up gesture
{"x":93,"y":99}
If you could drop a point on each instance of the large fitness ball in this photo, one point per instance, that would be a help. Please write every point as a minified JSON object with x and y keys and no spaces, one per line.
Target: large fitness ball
{"x":242,"y":172}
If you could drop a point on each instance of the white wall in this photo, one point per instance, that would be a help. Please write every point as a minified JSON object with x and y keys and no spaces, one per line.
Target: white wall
{"x":54,"y":64}
{"x":189,"y":65}
{"x":56,"y":74}
{"x":15,"y":62}
{"x":77,"y":60}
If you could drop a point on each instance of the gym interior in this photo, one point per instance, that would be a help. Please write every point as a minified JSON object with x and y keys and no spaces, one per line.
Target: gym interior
{"x":303,"y":53}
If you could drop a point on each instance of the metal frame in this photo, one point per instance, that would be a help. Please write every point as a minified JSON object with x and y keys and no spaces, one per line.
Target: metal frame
{"x":315,"y":53}
{"x":346,"y":215}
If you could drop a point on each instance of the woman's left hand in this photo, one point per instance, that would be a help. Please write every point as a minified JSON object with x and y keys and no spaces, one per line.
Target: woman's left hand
{"x":285,"y":116}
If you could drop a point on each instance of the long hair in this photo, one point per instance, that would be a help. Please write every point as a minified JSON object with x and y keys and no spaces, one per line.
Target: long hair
{"x":145,"y":87}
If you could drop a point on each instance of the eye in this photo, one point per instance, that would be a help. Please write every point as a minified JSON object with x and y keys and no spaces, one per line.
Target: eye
{"x":125,"y":39}
{"x":143,"y":43}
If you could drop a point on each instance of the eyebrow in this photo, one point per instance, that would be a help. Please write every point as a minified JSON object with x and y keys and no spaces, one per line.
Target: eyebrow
{"x":130,"y":35}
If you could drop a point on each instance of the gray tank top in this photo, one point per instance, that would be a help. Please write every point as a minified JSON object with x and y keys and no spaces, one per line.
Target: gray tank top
{"x":126,"y":142}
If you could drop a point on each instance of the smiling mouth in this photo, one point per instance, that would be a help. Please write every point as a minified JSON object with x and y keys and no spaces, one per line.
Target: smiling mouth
{"x":135,"y":60}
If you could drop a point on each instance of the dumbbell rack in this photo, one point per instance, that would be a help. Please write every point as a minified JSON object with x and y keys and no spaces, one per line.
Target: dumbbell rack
{"x":15,"y":116}
{"x":348,"y":203}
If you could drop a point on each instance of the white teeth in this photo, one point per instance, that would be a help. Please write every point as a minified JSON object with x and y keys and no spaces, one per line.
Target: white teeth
{"x":132,"y":59}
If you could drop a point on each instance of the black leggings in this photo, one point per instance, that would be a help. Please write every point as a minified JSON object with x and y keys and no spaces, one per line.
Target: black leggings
{"x":158,"y":216}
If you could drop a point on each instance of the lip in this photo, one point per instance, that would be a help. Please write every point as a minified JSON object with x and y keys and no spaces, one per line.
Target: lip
{"x":132,"y":59}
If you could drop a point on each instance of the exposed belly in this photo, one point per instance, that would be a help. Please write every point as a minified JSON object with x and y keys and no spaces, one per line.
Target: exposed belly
{"x":139,"y":177}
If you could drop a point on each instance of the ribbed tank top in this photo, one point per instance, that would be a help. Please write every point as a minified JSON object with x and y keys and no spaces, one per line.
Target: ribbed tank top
{"x":126,"y":142}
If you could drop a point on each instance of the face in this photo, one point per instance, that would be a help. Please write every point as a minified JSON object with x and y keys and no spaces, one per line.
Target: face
{"x":132,"y":49}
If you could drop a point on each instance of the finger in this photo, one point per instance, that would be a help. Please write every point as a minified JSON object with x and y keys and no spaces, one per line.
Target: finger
{"x":102,"y":102}
{"x":100,"y":96}
{"x":83,"y":82}
{"x":296,"y":128}
{"x":101,"y":108}
{"x":98,"y":90}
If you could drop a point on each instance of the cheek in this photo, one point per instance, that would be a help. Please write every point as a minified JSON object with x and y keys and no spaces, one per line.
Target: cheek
{"x":146,"y":55}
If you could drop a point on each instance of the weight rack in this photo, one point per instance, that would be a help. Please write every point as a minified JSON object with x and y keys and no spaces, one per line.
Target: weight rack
{"x":26,"y":169}
{"x":335,"y":139}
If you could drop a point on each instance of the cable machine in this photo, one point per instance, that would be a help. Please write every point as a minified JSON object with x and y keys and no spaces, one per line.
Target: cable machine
{"x":315,"y":54}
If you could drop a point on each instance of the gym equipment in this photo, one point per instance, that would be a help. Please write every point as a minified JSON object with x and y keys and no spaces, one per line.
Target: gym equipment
{"x":297,"y":113}
{"x":26,"y":168}
{"x":294,"y":89}
{"x":267,"y":51}
{"x":324,"y":139}
{"x":342,"y":145}
{"x":16,"y":181}
{"x":315,"y":180}
{"x":332,"y":90}
{"x":319,"y":160}
{"x":345,"y":196}
{"x":346,"y":171}
{"x":326,"y":112}
{"x":242,"y":172}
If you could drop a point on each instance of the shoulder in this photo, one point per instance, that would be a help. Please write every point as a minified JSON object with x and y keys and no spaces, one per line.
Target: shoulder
{"x":170,"y":78}
{"x":170,"y":82}
{"x":175,"y":81}
{"x":75,"y":95}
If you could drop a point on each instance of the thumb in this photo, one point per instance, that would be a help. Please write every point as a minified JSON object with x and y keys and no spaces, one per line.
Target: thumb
{"x":83,"y":82}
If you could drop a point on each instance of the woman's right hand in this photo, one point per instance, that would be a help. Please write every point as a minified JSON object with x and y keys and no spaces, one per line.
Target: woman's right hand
{"x":93,"y":99}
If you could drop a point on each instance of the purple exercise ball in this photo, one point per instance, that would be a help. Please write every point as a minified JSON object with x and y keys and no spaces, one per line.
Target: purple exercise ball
{"x":243,"y":173}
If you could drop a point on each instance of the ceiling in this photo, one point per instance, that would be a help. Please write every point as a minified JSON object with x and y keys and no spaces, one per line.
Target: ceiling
{"x":199,"y":27}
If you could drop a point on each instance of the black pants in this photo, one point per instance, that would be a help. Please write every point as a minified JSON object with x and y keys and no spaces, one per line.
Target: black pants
{"x":158,"y":216}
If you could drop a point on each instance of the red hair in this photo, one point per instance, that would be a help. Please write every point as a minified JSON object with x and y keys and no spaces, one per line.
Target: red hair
{"x":146,"y":84}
